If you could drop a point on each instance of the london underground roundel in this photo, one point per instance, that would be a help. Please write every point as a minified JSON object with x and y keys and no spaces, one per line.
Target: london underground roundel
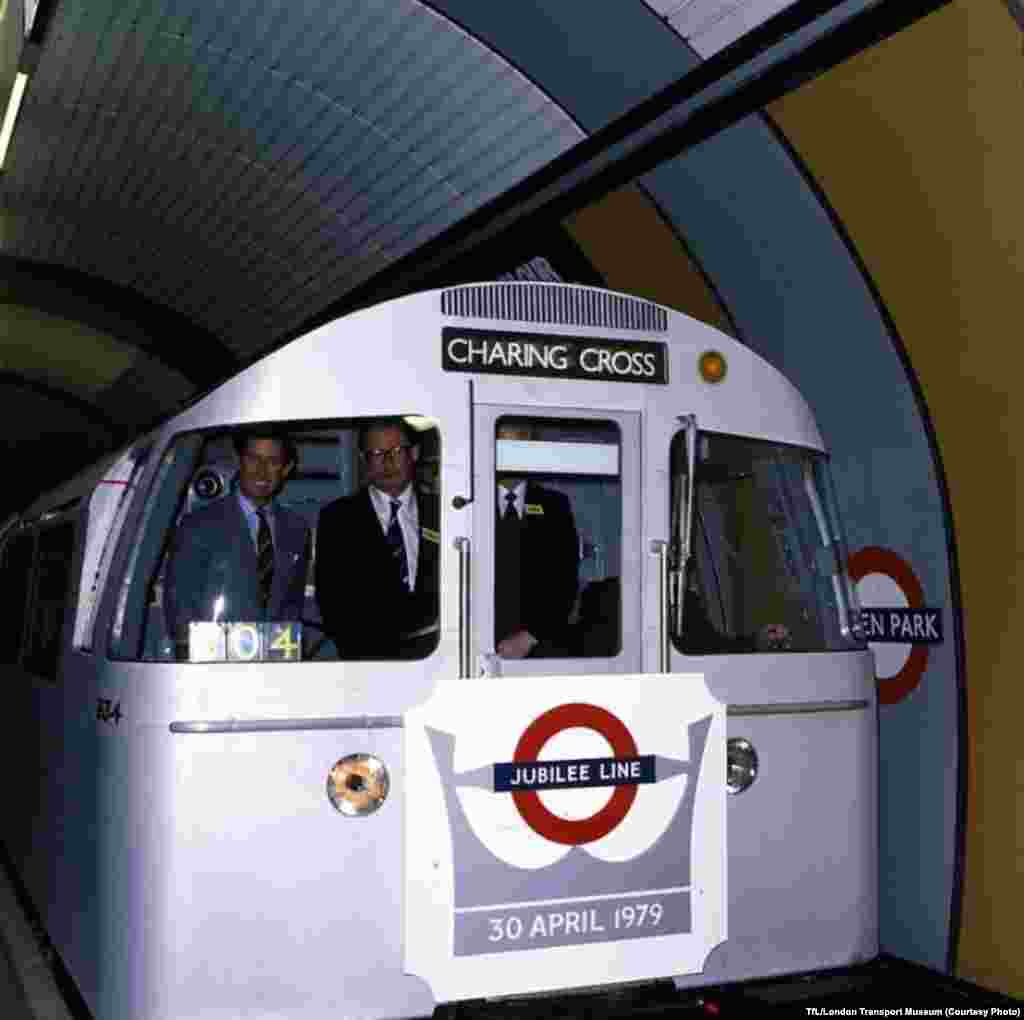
{"x":898,"y":624}
{"x":574,"y":832}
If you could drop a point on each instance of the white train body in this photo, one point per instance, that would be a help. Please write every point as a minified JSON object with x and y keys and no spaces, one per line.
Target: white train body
{"x":170,"y":818}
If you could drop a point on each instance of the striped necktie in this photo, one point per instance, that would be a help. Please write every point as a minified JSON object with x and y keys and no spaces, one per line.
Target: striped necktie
{"x":397,"y":544}
{"x":264,"y":558}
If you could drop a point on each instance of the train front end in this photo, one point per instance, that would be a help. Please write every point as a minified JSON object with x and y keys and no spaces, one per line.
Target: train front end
{"x":616,"y":726}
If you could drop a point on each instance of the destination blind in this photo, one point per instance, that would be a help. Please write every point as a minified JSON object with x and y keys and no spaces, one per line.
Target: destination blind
{"x":501,"y":352}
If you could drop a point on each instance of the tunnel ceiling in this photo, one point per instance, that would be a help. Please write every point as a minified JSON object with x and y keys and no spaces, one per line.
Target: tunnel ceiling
{"x":190,"y":183}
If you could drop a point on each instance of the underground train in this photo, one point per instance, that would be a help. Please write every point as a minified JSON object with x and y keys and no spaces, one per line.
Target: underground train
{"x":235,"y":815}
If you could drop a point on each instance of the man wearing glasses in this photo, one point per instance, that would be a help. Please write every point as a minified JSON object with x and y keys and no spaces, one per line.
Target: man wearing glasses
{"x":377,"y":554}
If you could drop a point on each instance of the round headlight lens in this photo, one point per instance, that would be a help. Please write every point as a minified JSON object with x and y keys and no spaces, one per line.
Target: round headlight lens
{"x":358,"y":784}
{"x":741,"y":764}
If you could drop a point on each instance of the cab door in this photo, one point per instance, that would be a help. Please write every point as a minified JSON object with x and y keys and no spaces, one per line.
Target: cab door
{"x":560,"y":578}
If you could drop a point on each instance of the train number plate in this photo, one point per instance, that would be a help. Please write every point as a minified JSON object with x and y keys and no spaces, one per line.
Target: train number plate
{"x":245,"y":642}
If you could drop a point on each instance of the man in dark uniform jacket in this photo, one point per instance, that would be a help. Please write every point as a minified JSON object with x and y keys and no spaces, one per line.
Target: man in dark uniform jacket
{"x":243,"y":558}
{"x":377,"y":554}
{"x":536,"y":571}
{"x":536,"y":566}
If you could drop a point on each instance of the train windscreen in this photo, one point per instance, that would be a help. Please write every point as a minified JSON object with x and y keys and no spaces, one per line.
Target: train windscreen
{"x":766,"y":570}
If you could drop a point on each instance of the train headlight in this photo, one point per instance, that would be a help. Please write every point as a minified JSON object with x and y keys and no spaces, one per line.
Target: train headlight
{"x":712,"y":366}
{"x":358,"y":784}
{"x":741,"y":765}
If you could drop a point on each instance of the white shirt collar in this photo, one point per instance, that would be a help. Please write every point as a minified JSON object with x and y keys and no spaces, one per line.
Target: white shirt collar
{"x":382,"y":501}
{"x":251,"y":508}
{"x":520,"y":492}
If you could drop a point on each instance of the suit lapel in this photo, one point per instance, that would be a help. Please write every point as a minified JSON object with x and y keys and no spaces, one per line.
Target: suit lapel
{"x":426,"y":569}
{"x":371,"y":525}
{"x":288,"y":553}
{"x":287,"y":549}
{"x":531,"y":497}
{"x":235,"y":520}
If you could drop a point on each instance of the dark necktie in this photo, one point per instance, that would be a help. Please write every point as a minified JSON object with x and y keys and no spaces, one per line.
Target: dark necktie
{"x":264,"y":558}
{"x":397,"y":544}
{"x":508,"y":571}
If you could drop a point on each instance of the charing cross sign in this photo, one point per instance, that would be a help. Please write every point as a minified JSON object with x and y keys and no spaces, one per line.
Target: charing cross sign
{"x":552,"y":356}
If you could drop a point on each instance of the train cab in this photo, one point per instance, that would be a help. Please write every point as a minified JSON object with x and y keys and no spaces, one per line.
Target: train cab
{"x":495,"y":641}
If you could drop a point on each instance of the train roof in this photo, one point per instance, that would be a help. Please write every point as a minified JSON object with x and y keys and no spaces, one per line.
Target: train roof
{"x":387,"y":359}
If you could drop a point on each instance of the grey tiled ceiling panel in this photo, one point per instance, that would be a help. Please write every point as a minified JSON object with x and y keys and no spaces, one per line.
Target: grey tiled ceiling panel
{"x":248,"y":163}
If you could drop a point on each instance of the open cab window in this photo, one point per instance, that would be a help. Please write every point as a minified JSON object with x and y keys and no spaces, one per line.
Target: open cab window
{"x":558,"y":538}
{"x":269,"y":544}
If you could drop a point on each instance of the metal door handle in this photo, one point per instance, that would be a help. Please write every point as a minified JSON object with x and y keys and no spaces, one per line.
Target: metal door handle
{"x":659,"y":548}
{"x":462,"y":544}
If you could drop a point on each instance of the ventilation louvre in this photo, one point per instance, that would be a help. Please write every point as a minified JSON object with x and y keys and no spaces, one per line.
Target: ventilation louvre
{"x":554,"y":304}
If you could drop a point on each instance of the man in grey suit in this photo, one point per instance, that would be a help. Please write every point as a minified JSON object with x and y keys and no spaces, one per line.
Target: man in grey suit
{"x":243,"y":558}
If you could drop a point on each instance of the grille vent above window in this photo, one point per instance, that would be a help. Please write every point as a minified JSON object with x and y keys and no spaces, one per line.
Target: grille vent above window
{"x":554,"y":304}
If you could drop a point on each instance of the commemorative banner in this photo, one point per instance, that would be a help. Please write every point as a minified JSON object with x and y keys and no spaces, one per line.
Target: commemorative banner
{"x":579,"y":831}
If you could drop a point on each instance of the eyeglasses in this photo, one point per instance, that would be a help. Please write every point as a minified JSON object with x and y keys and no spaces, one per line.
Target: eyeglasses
{"x":382,"y":456}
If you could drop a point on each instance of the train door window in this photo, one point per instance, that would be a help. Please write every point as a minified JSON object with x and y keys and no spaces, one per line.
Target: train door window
{"x":288,"y":542}
{"x":767,"y":559}
{"x":561,"y":530}
{"x":15,"y":584}
{"x":55,"y":547}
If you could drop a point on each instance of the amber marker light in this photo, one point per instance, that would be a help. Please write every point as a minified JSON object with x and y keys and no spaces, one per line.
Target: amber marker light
{"x":358,"y":784}
{"x":712,"y":366}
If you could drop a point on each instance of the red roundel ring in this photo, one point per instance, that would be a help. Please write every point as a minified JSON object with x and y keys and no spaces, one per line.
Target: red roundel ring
{"x":874,"y":559}
{"x":531,"y":743}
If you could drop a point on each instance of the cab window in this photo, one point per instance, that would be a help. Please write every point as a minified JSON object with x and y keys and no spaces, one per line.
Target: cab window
{"x":766,"y":570}
{"x":558,"y":538}
{"x":287,"y":542}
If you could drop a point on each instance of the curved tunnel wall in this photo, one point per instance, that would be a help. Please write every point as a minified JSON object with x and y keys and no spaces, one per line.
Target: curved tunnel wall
{"x":925,"y":174}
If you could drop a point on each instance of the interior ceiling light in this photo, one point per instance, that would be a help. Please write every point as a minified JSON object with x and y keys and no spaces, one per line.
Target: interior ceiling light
{"x":38,"y":17}
{"x":13,"y":106}
{"x":31,"y":9}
